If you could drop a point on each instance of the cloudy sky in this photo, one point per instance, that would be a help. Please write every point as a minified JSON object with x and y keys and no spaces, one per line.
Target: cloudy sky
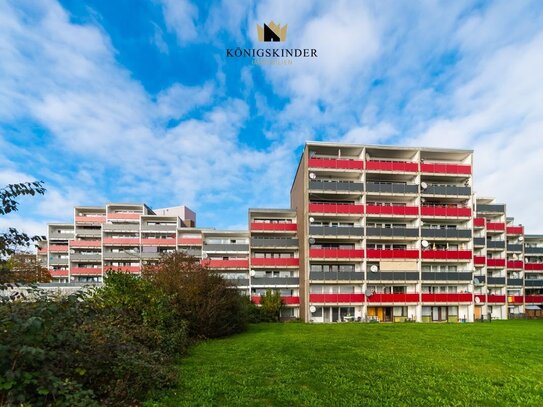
{"x":137,"y":102}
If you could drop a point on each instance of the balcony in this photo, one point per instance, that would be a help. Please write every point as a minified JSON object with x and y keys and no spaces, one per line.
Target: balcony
{"x":446,"y":276}
{"x":336,"y":208}
{"x":85,"y":243}
{"x":479,"y":260}
{"x":274,"y":242}
{"x":58,"y":273}
{"x":334,"y":163}
{"x":226,"y":247}
{"x":189,"y":241}
{"x":159,"y":242}
{"x":393,"y":298}
{"x":495,"y":280}
{"x":495,"y":298}
{"x":392,"y":254}
{"x":393,"y":232}
{"x":479,"y":222}
{"x":124,"y":241}
{"x":391,"y":188}
{"x":226,"y":264}
{"x":534,"y":299}
{"x":56,"y":248}
{"x":447,"y":297}
{"x":397,"y":166}
{"x":495,"y":244}
{"x":392,"y":210}
{"x":495,"y":226}
{"x":533,"y":282}
{"x":121,"y":227}
{"x":347,"y":231}
{"x":447,"y":190}
{"x":515,"y":264}
{"x":515,"y":230}
{"x":274,"y":227}
{"x":393,"y":276}
{"x":90,"y":219}
{"x":533,"y":266}
{"x":445,"y":168}
{"x":514,"y":247}
{"x":495,"y":262}
{"x":447,"y":254}
{"x":80,"y":257}
{"x":336,"y":275}
{"x":123,"y":255}
{"x":275,"y":262}
{"x":446,"y":233}
{"x":336,"y":186}
{"x":85,"y":271}
{"x":330,"y":253}
{"x":533,"y":250}
{"x":515,"y":299}
{"x":287,"y":300}
{"x":479,"y":241}
{"x":515,"y":282}
{"x":125,"y":269}
{"x":274,"y":281}
{"x":436,"y":211}
{"x":336,"y":298}
{"x":124,"y":216}
{"x":490,"y":208}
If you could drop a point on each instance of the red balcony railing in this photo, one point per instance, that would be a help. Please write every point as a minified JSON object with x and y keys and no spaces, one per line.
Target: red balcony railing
{"x":447,"y":297}
{"x":336,"y":208}
{"x":495,"y":262}
{"x":445,"y":211}
{"x":533,"y":299}
{"x":479,"y":222}
{"x":86,"y":271}
{"x":122,"y":241}
{"x":124,"y":215}
{"x":336,"y":253}
{"x":58,"y":248}
{"x":495,"y":226}
{"x":412,"y":297}
{"x":225,"y":264}
{"x":90,"y":219}
{"x":515,"y":299}
{"x":289,"y":300}
{"x":515,"y":230}
{"x":392,"y":210}
{"x":392,"y":254}
{"x":443,"y":168}
{"x":190,"y":241}
{"x":336,"y":298}
{"x":479,"y":260}
{"x":392,"y":166}
{"x":447,"y":254}
{"x":126,"y":269}
{"x":515,"y":264}
{"x":479,"y":298}
{"x":58,"y":273}
{"x":159,"y":242}
{"x":85,"y":243}
{"x":495,"y":298}
{"x":289,"y":227}
{"x":275,"y":262}
{"x":336,"y":163}
{"x":533,"y":266}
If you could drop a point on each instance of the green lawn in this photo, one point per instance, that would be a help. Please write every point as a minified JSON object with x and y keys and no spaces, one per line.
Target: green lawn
{"x":489,"y":364}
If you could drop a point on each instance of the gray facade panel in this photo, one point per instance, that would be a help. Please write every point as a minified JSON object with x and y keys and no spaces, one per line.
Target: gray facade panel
{"x":393,"y":275}
{"x":491,"y":208}
{"x":495,"y":244}
{"x":514,"y":281}
{"x":393,"y":232}
{"x":479,"y":241}
{"x":336,"y":231}
{"x":278,"y":242}
{"x":269,"y":281}
{"x":58,"y":262}
{"x":445,"y":233}
{"x":85,"y":257}
{"x":336,"y":186}
{"x":61,"y":236}
{"x":533,"y":250}
{"x":495,"y":280}
{"x":447,"y":276}
{"x":392,"y":188}
{"x":447,"y":190}
{"x":533,"y":283}
{"x":232,"y":247}
{"x":514,"y":247}
{"x":115,"y":227}
{"x":334,"y":275}
{"x":159,"y":228}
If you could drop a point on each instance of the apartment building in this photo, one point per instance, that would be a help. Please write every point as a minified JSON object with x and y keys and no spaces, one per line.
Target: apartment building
{"x":375,"y":232}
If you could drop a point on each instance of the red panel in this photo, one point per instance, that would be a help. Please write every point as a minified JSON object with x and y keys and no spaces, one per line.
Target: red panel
{"x":125,"y":240}
{"x":479,"y":260}
{"x":515,"y":264}
{"x":392,"y":166}
{"x":534,"y":299}
{"x":392,"y":254}
{"x":336,"y":253}
{"x":54,"y":248}
{"x":495,"y":262}
{"x":58,"y":273}
{"x":447,"y":297}
{"x":82,"y":271}
{"x":336,"y":163}
{"x":336,"y":208}
{"x":447,"y":254}
{"x":392,"y":210}
{"x":274,"y":226}
{"x":158,"y":242}
{"x":124,"y":215}
{"x":495,"y":226}
{"x":442,"y":211}
{"x":479,"y":222}
{"x":534,"y":266}
{"x":42,"y":250}
{"x":195,"y":241}
{"x":393,"y":298}
{"x":495,"y":298}
{"x":242,"y":263}
{"x":275,"y":262}
{"x":90,"y":219}
{"x":85,"y":243}
{"x":445,"y":168}
{"x":515,"y":230}
{"x":337,"y":298}
{"x":126,"y":269}
{"x":286,"y":299}
{"x":515,"y":299}
{"x":481,"y":297}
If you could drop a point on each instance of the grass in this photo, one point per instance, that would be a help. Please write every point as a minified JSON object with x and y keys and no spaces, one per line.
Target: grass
{"x":496,"y":364}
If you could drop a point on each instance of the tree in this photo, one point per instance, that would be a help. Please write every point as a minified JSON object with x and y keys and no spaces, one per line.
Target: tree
{"x":272,"y":304}
{"x":23,"y":268}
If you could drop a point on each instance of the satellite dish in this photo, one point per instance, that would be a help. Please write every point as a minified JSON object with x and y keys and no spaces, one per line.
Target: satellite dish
{"x":312,"y":154}
{"x":425,"y":243}
{"x":312,"y":175}
{"x":374,"y":268}
{"x":520,"y":238}
{"x":477,"y":300}
{"x":470,"y":290}
{"x":368,"y":293}
{"x":423,"y":185}
{"x":476,"y":281}
{"x":252,"y":273}
{"x":312,"y":309}
{"x":204,"y":255}
{"x":515,"y":256}
{"x":311,"y":240}
{"x":311,"y":220}
{"x":422,"y":200}
{"x":367,"y":157}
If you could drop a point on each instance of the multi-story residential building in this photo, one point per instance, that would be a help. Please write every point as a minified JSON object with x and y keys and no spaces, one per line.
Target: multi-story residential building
{"x":375,"y":232}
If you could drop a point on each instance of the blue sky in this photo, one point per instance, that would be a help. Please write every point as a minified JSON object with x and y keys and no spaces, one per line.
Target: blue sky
{"x":136,"y":101}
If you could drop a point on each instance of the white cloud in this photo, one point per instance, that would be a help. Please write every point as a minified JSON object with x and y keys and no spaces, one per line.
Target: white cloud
{"x":180,"y":16}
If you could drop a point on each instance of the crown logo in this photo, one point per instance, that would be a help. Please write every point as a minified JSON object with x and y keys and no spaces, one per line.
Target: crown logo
{"x":271,"y":32}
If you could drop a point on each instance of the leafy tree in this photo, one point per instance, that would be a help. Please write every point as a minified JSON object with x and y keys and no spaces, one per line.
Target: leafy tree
{"x":272,"y":304}
{"x":23,"y":268}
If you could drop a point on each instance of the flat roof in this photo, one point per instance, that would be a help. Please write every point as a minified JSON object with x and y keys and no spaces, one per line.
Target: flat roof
{"x":386,"y":147}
